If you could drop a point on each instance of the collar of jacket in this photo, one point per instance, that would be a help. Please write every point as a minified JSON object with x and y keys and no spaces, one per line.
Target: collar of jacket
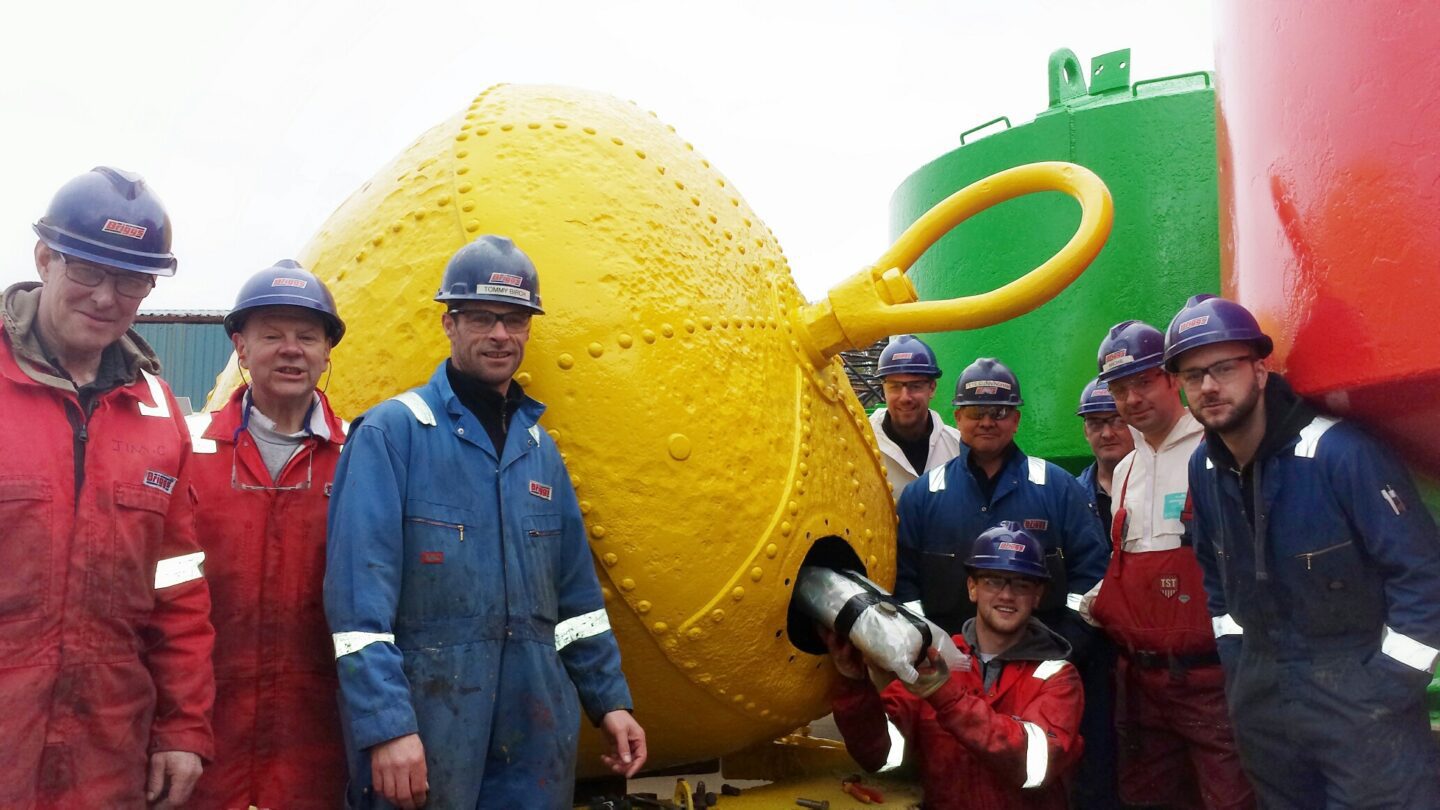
{"x":226,"y":423}
{"x":1015,"y":460}
{"x":1185,"y":427}
{"x":1285,"y":414}
{"x":20,"y":309}
{"x":1039,"y":643}
{"x":527,"y":411}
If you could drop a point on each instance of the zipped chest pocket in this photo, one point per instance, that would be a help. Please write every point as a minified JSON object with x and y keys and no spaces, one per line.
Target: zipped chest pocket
{"x":1309,"y":557}
{"x":541,"y":526}
{"x":541,"y":559}
{"x":1336,"y":591}
{"x":458,"y":528}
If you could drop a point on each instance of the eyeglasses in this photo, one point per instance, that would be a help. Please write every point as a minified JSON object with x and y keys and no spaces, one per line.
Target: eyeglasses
{"x":1019,"y":587}
{"x":999,"y":413}
{"x":1221,"y":371}
{"x":1121,"y":388}
{"x":1096,"y":424}
{"x":911,"y":387}
{"x":235,"y":477}
{"x":483,"y":320}
{"x":128,"y":284}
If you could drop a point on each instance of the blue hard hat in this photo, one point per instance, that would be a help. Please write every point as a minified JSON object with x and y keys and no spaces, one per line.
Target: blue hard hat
{"x":1130,"y":348}
{"x":286,"y":284}
{"x":1207,"y":319}
{"x":110,"y":217}
{"x":907,"y":354}
{"x":1096,"y":398}
{"x":1007,"y":547}
{"x":987,"y":381}
{"x":491,"y":269}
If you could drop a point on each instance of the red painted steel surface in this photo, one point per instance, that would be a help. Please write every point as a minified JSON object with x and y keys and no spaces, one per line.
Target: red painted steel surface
{"x":1329,"y":159}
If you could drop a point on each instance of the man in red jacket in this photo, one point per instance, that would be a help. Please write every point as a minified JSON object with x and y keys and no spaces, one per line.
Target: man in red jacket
{"x":105,"y":635}
{"x":998,"y":731}
{"x":262,"y":468}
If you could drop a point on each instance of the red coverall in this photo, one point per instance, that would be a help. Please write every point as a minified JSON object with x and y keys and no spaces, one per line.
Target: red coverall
{"x":1006,"y":748}
{"x":277,"y":723}
{"x":105,"y":635}
{"x":1177,"y":747}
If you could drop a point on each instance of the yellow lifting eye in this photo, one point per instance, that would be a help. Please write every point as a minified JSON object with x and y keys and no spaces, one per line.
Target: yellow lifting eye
{"x":880,"y":300}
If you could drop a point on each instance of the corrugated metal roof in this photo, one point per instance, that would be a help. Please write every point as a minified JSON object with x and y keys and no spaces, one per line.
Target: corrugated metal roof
{"x":192,"y":354}
{"x":181,"y":316}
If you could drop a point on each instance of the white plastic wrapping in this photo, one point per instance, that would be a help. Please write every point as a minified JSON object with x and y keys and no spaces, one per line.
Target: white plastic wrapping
{"x":887,"y":639}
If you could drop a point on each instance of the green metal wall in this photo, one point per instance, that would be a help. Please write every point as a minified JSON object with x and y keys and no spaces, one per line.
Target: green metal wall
{"x":1153,"y":144}
{"x":191,"y":354}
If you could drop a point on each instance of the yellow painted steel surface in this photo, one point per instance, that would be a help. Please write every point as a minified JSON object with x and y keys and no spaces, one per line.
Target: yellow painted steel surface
{"x":711,"y":440}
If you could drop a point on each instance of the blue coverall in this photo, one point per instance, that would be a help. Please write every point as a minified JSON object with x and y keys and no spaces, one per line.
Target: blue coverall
{"x":1328,"y":643}
{"x":464,"y":603}
{"x":943,"y":511}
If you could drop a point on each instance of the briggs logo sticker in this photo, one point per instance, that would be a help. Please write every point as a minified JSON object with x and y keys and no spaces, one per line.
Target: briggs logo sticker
{"x":540,"y":490}
{"x":1169,"y":584}
{"x":160,"y":481}
{"x":506,"y":278}
{"x":1006,"y":545}
{"x":1038,"y":524}
{"x":902,"y":355}
{"x":298,"y":283}
{"x":1192,"y":323}
{"x":123,"y":229}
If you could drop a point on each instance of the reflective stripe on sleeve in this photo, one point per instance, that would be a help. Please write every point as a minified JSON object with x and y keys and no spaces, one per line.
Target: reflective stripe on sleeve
{"x":1226,"y":626}
{"x":198,"y":423}
{"x":1310,"y":436}
{"x":354,"y":641}
{"x":1037,"y":470}
{"x":1037,"y":755}
{"x":157,"y":394}
{"x":1408,"y":651}
{"x":179,"y":570}
{"x":1073,"y":600}
{"x":417,"y":406}
{"x":896,"y":757}
{"x":580,"y":627}
{"x":937,"y":479}
{"x":914,"y":607}
{"x":1048,"y":668}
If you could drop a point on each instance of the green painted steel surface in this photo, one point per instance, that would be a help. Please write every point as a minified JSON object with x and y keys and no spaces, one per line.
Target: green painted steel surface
{"x":191,"y":354}
{"x":1153,"y":143}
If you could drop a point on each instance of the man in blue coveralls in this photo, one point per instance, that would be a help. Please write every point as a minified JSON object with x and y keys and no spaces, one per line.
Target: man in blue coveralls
{"x":459,"y":587}
{"x":1323,"y":573}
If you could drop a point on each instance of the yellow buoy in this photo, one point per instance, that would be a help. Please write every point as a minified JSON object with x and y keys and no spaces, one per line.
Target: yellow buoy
{"x":712,"y":440}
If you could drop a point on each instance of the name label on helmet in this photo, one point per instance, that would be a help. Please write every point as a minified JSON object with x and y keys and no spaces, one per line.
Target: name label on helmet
{"x":902,"y":355}
{"x":991,"y":384}
{"x":508,"y":292}
{"x":1009,"y":546}
{"x":124,"y":229}
{"x":289,"y":282}
{"x":1193,"y":322}
{"x":1118,"y":358}
{"x":506,"y":278}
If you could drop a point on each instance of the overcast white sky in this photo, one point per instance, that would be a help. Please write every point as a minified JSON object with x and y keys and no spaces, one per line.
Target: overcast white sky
{"x":254,"y":120}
